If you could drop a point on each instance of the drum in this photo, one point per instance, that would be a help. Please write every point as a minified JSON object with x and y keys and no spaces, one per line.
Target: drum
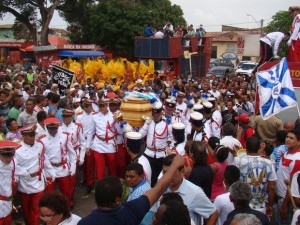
{"x":134,"y":110}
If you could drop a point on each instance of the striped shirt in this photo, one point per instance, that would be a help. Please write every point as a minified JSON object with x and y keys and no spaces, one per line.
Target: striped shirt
{"x":139,"y":190}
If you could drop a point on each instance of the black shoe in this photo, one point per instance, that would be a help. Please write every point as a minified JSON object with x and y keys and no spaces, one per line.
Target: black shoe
{"x":89,"y":190}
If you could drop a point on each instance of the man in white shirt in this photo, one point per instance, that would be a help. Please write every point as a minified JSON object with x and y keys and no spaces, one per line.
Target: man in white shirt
{"x":158,"y":34}
{"x":269,"y":45}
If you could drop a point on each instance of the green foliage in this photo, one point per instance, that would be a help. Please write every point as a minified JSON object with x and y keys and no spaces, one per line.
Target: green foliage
{"x":281,"y":21}
{"x":113,"y":24}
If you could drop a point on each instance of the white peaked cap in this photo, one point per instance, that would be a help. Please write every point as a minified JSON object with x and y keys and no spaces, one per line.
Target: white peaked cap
{"x":196,"y":116}
{"x":178,"y":126}
{"x":134,"y":135}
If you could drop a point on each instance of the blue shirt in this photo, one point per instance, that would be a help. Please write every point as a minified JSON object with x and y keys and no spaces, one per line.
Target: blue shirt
{"x":276,"y":155}
{"x":129,"y":213}
{"x":139,"y":190}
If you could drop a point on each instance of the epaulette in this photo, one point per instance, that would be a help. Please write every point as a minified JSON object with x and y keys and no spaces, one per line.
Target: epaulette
{"x":65,"y":132}
{"x":41,"y":137}
{"x":78,"y":124}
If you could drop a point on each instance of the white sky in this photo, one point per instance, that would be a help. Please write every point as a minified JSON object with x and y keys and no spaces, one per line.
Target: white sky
{"x":214,"y":13}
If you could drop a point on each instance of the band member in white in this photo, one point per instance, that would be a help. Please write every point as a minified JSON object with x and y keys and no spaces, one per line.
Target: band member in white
{"x":62,"y":156}
{"x":31,"y":158}
{"x":104,"y":143}
{"x":85,"y":118}
{"x":159,"y":137}
{"x":78,"y":142}
{"x":7,"y":176}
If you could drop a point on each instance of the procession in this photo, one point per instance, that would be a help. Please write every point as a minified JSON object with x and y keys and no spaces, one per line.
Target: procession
{"x":159,"y":140}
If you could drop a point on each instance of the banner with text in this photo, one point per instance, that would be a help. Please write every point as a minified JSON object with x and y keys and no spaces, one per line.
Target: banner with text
{"x":62,"y":77}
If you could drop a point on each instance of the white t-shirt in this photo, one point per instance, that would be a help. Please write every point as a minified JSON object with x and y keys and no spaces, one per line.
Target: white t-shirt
{"x":224,"y":206}
{"x":295,"y":186}
{"x":73,"y":220}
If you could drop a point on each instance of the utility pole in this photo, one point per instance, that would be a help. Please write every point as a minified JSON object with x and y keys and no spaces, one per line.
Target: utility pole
{"x":261,"y":26}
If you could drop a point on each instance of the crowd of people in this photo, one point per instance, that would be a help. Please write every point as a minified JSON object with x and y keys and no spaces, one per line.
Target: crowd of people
{"x":204,"y":156}
{"x":231,"y":166}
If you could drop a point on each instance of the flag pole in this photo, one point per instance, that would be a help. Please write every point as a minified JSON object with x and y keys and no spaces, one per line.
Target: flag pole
{"x":298,"y":109}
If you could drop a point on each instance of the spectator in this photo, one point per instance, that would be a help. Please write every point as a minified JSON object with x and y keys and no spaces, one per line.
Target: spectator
{"x":28,"y":116}
{"x":16,"y":110}
{"x":240,"y":196}
{"x":280,"y":148}
{"x":14,"y":134}
{"x":158,"y":33}
{"x":222,"y":202}
{"x":5,"y":98}
{"x":55,"y":210}
{"x":148,"y":31}
{"x":247,"y":130}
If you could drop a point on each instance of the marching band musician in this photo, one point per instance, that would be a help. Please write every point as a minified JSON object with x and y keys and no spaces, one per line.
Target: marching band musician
{"x":62,"y":156}
{"x":207,"y":108}
{"x":197,"y":107}
{"x":216,"y":119}
{"x":31,"y":158}
{"x":85,"y":119}
{"x":121,"y":156}
{"x":197,"y":133}
{"x":178,"y":144}
{"x":294,"y":42}
{"x":134,"y":144}
{"x":7,"y":176}
{"x":104,"y":144}
{"x":159,"y":135}
{"x":181,"y":108}
{"x":170,"y":106}
{"x":77,"y":140}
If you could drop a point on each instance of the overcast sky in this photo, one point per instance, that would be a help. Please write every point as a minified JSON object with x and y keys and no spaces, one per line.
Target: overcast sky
{"x":214,"y":13}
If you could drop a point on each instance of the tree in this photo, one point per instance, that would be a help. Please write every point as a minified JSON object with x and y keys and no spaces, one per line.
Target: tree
{"x":281,"y":21}
{"x":115,"y":23}
{"x":26,"y":12}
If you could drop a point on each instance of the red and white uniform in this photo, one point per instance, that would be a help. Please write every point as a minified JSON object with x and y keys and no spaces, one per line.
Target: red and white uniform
{"x":31,"y":184}
{"x":104,"y":143}
{"x":294,"y":48}
{"x":77,"y":139}
{"x":62,"y":156}
{"x":121,"y":151}
{"x":289,"y":165}
{"x":86,"y":120}
{"x":158,"y":136}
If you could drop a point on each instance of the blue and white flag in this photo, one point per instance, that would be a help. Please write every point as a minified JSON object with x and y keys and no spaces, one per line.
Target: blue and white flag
{"x":276,"y":91}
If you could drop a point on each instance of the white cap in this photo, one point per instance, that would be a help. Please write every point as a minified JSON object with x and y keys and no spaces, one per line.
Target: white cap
{"x":197,"y":106}
{"x":157,"y":105}
{"x":211,"y":99}
{"x":134,"y":135}
{"x":207,"y":105}
{"x":72,"y":89}
{"x":76,"y":84}
{"x":196,"y":116}
{"x":139,"y":81}
{"x":178,"y":126}
{"x":77,"y":99}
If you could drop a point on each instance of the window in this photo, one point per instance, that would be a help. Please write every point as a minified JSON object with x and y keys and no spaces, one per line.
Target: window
{"x":214,"y":52}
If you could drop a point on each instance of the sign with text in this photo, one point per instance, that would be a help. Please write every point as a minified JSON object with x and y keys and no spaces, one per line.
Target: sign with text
{"x":62,"y":77}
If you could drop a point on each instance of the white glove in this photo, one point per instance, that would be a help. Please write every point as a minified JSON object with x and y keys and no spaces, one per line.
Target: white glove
{"x":148,"y":120}
{"x":289,"y":42}
{"x":276,"y":57}
{"x":81,"y":161}
{"x":127,"y":128}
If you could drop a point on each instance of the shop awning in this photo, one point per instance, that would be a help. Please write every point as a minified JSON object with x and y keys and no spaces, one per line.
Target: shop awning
{"x":78,"y":54}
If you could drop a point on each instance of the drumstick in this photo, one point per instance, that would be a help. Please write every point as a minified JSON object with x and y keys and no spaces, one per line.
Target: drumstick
{"x":287,"y":182}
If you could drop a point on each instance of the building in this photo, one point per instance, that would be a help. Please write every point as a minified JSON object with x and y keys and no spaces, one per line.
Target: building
{"x":224,"y":43}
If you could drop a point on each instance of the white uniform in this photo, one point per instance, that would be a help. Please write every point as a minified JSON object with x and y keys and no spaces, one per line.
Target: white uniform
{"x":158,"y":135}
{"x":103,"y":127}
{"x":32,"y":159}
{"x":6,"y":175}
{"x":146,"y":166}
{"x":86,"y":121}
{"x":60,"y":153}
{"x":215,"y":125}
{"x":273,"y":39}
{"x":77,"y":139}
{"x":179,"y":149}
{"x":182,"y":108}
{"x":207,"y":128}
{"x":40,"y":131}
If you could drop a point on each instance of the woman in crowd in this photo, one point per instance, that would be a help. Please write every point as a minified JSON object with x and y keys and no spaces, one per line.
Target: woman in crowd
{"x":14,"y":134}
{"x":54,"y":210}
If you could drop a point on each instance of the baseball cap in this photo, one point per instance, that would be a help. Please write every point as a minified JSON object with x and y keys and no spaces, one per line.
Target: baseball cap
{"x":244,"y":117}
